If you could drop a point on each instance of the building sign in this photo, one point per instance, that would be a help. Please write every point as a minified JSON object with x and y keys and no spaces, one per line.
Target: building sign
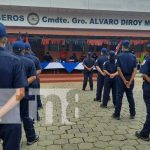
{"x":72,"y":20}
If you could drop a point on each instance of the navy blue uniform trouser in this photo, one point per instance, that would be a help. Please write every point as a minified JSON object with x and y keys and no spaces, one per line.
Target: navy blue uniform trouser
{"x":121,"y":88}
{"x":108,"y":85}
{"x":27,"y":121}
{"x":100,"y":85}
{"x":146,"y":128}
{"x":39,"y":103}
{"x":34,"y":98}
{"x":88,"y":76}
{"x":11,"y":136}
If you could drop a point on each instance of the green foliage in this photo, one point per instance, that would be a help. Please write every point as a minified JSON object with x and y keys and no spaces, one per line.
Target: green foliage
{"x":141,"y":59}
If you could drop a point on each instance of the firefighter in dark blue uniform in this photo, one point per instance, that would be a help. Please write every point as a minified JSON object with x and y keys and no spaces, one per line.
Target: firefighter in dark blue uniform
{"x":18,"y":49}
{"x":12,"y":76}
{"x":36,"y":84}
{"x":145,"y":70}
{"x":101,"y":75}
{"x":126,"y":66}
{"x":88,"y":64}
{"x":110,"y":69}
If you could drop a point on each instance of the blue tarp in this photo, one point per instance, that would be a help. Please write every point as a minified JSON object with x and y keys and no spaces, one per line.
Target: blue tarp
{"x":69,"y":66}
{"x":44,"y":64}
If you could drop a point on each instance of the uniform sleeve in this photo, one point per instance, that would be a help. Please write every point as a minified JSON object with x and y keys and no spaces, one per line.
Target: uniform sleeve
{"x":118,"y":63}
{"x":134,"y":63}
{"x":145,"y":69}
{"x":105,"y":66}
{"x":93,"y":62}
{"x":84,"y":62}
{"x":97,"y":62}
{"x":19,"y":76}
{"x":32,"y":70}
{"x":38,"y":65}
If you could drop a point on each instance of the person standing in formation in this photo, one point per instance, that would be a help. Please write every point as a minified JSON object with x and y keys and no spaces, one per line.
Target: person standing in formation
{"x":88,"y":64}
{"x":110,"y":69}
{"x":12,"y":90}
{"x":145,"y":70}
{"x":30,"y":71}
{"x":126,"y":66}
{"x":36,"y":83}
{"x":100,"y":77}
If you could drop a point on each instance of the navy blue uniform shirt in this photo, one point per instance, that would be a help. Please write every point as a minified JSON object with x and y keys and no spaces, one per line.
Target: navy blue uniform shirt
{"x":12,"y":76}
{"x":89,"y":62}
{"x":12,"y":73}
{"x":111,"y":67}
{"x":127,"y":62}
{"x":29,"y":66}
{"x":100,"y":61}
{"x":37,"y":66}
{"x":35,"y":60}
{"x":145,"y":69}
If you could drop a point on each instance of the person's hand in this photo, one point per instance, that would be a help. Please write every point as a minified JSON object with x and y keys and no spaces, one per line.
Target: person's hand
{"x":112,"y":76}
{"x":103,"y":74}
{"x":126,"y":82}
{"x":128,"y":85}
{"x":89,"y":69}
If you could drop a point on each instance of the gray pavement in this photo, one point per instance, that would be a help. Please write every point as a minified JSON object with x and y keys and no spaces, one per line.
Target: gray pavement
{"x":94,"y":129}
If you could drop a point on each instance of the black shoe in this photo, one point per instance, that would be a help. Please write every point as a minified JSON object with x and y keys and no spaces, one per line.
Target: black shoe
{"x":132,"y":117}
{"x":83,"y":89}
{"x":91,"y":89}
{"x":115,"y":117}
{"x":138,"y":134}
{"x":95,"y":99}
{"x":103,"y":106}
{"x":34,"y":141}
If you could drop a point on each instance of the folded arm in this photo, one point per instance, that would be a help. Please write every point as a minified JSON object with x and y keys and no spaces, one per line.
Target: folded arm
{"x":12,"y":102}
{"x":100,"y":70}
